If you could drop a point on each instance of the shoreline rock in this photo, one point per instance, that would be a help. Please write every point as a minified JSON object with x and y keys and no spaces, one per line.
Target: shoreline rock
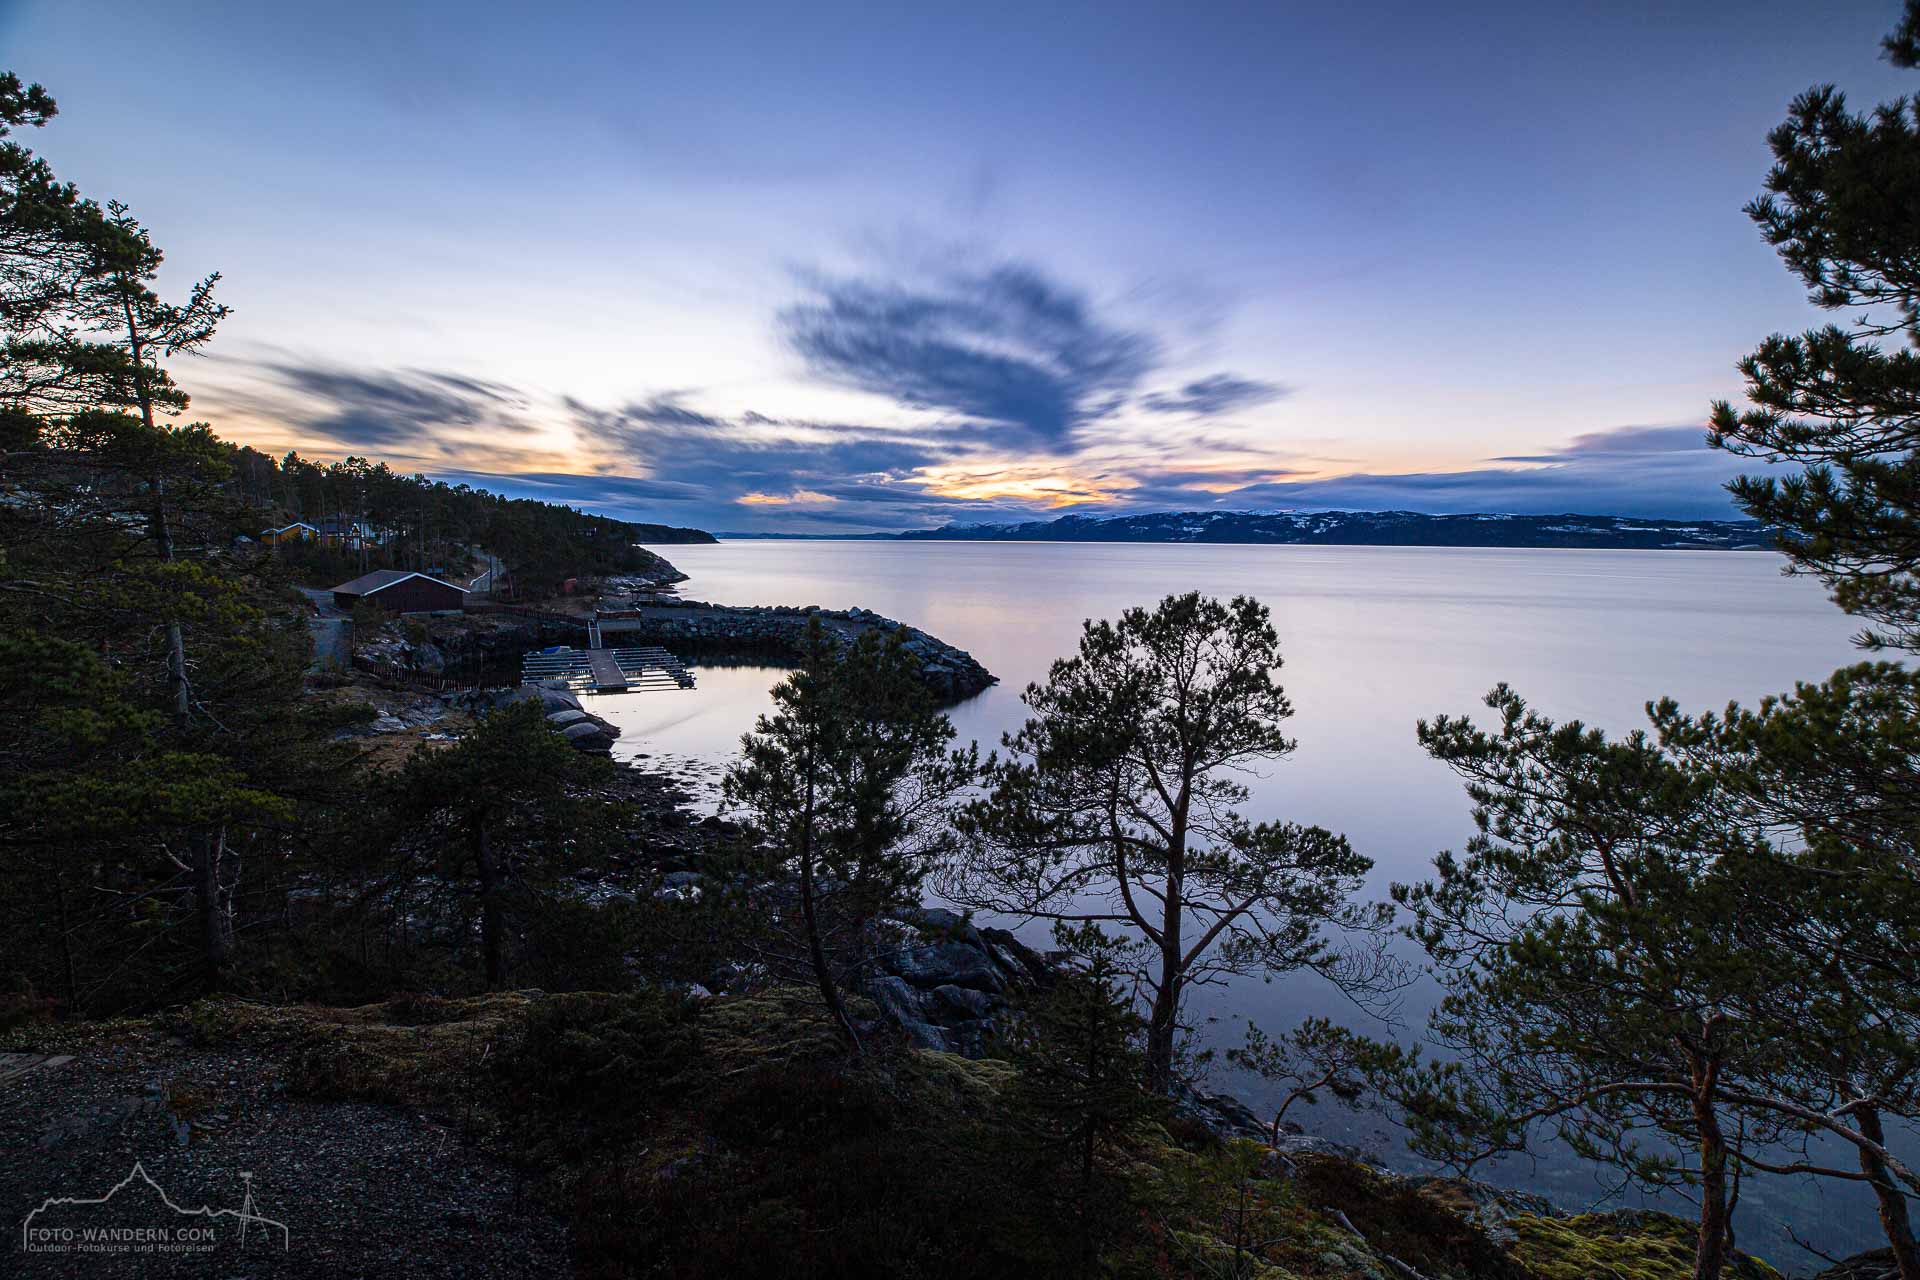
{"x":945,"y":982}
{"x":492,"y":637}
{"x":583,"y":730}
{"x":691,"y":627}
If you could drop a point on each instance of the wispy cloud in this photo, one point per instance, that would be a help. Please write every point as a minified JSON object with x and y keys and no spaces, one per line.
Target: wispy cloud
{"x":1210,"y":397}
{"x":1008,"y":347}
{"x":1629,"y":471}
{"x":665,"y":456}
{"x":379,"y":409}
{"x":1014,"y":395}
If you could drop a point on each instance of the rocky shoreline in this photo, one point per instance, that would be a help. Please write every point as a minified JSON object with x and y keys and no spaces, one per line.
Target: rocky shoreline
{"x":694,"y":627}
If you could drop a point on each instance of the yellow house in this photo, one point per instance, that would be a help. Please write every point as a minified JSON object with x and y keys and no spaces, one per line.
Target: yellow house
{"x":298,"y":531}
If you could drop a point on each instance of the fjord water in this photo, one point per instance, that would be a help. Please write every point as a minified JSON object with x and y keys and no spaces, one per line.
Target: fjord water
{"x":1375,"y":638}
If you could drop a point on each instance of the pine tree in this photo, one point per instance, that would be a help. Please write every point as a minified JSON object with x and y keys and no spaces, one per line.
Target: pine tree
{"x":1612,"y":954}
{"x":503,"y":810}
{"x":845,"y":788}
{"x":1842,"y":208}
{"x":1118,"y":802}
{"x":1318,"y":1056}
{"x":96,"y":800}
{"x":1832,"y":897}
{"x":1080,"y":1089}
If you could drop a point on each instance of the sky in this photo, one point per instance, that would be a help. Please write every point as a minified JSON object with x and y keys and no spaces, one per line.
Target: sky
{"x":838,"y":268}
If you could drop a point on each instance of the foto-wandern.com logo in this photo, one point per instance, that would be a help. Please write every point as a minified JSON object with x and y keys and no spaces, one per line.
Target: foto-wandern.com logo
{"x":143,"y":1219}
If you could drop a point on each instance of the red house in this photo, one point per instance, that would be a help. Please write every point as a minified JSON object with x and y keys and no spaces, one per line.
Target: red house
{"x":397,"y":591}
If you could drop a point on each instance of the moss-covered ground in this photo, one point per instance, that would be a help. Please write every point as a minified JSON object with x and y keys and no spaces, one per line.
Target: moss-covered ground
{"x":735,"y":1136}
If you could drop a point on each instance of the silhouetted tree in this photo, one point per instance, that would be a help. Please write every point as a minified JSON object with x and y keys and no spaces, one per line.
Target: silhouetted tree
{"x":846,"y":787}
{"x":1842,"y":207}
{"x":1078,"y":1046}
{"x":1832,"y":899}
{"x":500,"y":806}
{"x":1610,"y":970}
{"x":1118,"y":802}
{"x":1319,"y":1056}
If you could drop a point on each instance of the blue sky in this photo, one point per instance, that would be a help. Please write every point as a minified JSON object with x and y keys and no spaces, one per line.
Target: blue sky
{"x":842,"y":267}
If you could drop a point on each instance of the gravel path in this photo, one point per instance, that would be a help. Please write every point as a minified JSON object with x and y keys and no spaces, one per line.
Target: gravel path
{"x":360,"y":1189}
{"x":332,"y":630}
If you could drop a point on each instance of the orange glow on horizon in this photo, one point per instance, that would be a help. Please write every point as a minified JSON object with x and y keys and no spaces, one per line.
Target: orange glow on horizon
{"x":1049,"y":488}
{"x":798,"y":498}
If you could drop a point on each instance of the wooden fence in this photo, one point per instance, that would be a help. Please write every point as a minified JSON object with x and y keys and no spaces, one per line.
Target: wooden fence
{"x":528,"y":612}
{"x":393,"y":675}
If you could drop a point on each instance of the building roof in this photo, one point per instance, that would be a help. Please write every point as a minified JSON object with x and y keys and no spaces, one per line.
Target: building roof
{"x":380,"y":579}
{"x":297,"y":524}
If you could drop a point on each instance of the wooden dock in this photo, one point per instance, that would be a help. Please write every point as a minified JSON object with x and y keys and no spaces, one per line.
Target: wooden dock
{"x":607,"y":675}
{"x":597,"y":670}
{"x":651,"y":667}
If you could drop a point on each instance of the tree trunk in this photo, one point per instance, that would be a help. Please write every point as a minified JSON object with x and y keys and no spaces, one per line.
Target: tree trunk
{"x":1163,"y":1023}
{"x":1893,"y":1205}
{"x":162,"y":532}
{"x":216,"y":939}
{"x":66,"y":940}
{"x":822,"y":972}
{"x":1089,"y":1136}
{"x":177,"y":673}
{"x":1710,"y":1250}
{"x":489,"y":875}
{"x":1163,"y":1027}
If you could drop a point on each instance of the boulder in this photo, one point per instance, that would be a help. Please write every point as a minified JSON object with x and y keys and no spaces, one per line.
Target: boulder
{"x":945,"y":964}
{"x":1018,"y":959}
{"x":938,"y":969}
{"x":940,"y":922}
{"x":1227,"y":1116}
{"x":907,"y":1008}
{"x":966,"y":1002}
{"x":561,"y":719}
{"x":1875,"y":1264}
{"x":588,"y":736}
{"x":556,"y":699}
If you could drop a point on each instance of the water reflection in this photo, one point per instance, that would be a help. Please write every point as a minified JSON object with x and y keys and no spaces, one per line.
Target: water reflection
{"x":1375,"y":638}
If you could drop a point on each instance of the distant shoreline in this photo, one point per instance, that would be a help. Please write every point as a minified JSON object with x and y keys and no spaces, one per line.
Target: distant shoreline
{"x":723,"y":538}
{"x":1481,"y":531}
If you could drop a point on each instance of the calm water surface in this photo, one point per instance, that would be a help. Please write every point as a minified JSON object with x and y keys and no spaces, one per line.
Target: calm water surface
{"x":1375,"y":638}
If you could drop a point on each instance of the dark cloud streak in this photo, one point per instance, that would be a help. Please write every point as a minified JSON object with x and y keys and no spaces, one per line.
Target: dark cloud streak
{"x":1650,"y":471}
{"x":1210,"y":397}
{"x":837,"y":476}
{"x":1006,"y":346}
{"x":399,"y":409}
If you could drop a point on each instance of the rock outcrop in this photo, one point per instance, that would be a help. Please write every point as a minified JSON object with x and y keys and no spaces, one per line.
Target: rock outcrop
{"x":690,"y":627}
{"x":581,"y":728}
{"x":944,"y":981}
{"x":1875,"y":1264}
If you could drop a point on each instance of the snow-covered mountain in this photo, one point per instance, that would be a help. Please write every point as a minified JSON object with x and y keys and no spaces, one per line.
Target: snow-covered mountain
{"x":1371,"y":528}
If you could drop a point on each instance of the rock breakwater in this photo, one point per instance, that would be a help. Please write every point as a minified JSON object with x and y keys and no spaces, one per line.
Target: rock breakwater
{"x":692,"y":627}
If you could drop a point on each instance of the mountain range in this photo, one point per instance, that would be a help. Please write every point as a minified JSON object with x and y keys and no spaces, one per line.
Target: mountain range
{"x":1366,"y":528}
